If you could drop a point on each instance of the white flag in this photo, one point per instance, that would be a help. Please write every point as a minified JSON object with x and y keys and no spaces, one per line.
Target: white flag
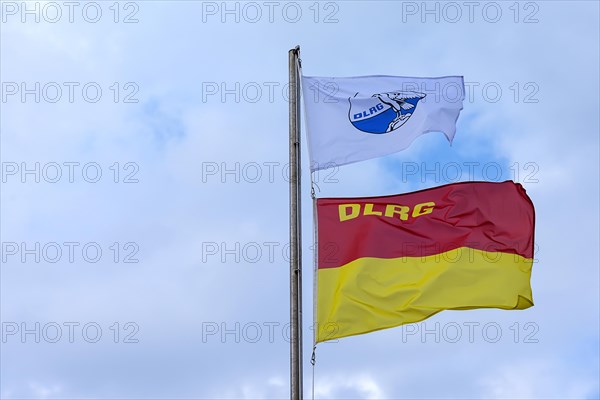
{"x":355,"y":119}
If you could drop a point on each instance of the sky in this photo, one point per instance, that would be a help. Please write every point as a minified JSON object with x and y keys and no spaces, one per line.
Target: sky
{"x":144,"y":199}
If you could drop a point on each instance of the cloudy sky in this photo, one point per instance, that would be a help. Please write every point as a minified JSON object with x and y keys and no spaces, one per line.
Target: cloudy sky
{"x":144,"y":214}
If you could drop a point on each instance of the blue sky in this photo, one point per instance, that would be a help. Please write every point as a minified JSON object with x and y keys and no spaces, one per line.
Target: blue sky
{"x":190,"y":91}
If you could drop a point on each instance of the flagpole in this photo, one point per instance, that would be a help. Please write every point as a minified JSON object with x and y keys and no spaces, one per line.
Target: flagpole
{"x":295,"y":230}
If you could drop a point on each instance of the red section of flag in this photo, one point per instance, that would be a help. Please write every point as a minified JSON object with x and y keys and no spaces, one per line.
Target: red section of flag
{"x":488,"y":216}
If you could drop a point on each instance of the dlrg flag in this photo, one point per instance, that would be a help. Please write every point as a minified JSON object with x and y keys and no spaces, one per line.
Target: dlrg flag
{"x":392,"y":260}
{"x":355,"y":119}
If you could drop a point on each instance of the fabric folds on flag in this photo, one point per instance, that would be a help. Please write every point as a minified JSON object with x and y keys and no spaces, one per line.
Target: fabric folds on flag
{"x":355,"y":119}
{"x":392,"y":260}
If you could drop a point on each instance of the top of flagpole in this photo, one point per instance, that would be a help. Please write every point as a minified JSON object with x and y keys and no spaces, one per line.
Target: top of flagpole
{"x":296,"y":52}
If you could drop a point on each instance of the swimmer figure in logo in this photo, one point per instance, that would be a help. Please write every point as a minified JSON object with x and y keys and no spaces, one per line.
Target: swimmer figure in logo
{"x":402,"y":103}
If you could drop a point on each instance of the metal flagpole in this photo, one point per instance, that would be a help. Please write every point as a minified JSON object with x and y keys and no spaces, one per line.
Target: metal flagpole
{"x":295,"y":230}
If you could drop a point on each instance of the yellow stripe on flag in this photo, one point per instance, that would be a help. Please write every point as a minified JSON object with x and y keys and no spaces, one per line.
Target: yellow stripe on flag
{"x":370,"y":294}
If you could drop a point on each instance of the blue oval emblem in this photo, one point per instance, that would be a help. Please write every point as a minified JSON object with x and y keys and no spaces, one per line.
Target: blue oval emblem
{"x":382,"y":112}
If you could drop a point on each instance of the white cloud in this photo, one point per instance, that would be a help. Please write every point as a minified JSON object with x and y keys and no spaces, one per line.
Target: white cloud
{"x":351,"y":386}
{"x":537,"y":379}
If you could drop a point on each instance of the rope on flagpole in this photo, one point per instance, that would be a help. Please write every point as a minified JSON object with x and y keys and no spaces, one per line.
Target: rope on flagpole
{"x":313,"y":358}
{"x":313,"y":361}
{"x":313,"y":196}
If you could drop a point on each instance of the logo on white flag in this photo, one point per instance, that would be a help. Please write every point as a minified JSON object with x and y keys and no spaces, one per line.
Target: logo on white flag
{"x":382,"y":112}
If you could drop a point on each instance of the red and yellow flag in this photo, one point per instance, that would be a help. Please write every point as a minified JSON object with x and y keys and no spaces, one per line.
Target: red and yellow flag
{"x":392,"y":260}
